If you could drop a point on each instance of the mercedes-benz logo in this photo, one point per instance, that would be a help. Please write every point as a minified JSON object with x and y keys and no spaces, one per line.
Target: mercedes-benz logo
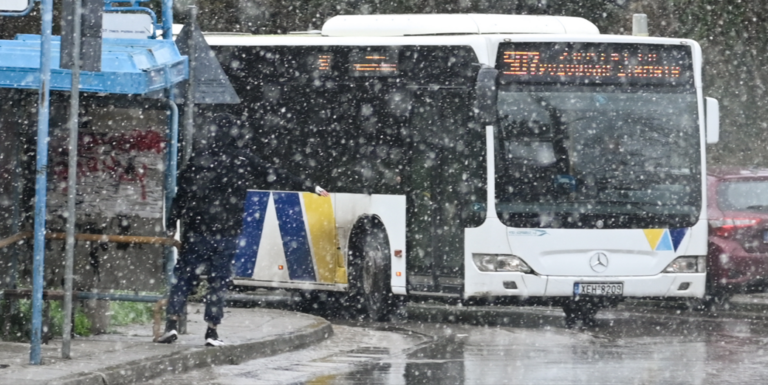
{"x":598,"y":262}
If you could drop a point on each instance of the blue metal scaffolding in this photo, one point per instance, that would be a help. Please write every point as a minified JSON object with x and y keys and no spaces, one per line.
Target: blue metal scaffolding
{"x":129,"y":66}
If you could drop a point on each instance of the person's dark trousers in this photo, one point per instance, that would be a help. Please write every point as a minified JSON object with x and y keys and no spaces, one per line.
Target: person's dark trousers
{"x":203,"y":255}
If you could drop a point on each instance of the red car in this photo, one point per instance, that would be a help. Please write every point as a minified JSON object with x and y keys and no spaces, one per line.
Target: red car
{"x":738,"y":231}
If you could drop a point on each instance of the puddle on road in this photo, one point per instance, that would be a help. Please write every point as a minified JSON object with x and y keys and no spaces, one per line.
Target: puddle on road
{"x":438,"y":363}
{"x":699,"y":354}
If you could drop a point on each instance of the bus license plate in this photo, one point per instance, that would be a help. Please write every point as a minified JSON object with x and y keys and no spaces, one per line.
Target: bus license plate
{"x":599,"y":289}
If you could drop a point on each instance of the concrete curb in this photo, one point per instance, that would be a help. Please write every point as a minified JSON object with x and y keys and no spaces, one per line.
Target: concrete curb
{"x":748,"y":304}
{"x":739,"y":306}
{"x":196,"y":358}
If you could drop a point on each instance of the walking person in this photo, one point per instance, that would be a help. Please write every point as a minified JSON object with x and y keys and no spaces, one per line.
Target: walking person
{"x":209,"y":203}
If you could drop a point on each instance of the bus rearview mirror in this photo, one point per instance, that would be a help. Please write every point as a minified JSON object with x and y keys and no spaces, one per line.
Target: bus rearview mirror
{"x":712,"y":108}
{"x":486,"y":95}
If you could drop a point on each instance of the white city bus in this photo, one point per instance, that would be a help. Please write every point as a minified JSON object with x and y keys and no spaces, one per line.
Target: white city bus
{"x":539,"y":159}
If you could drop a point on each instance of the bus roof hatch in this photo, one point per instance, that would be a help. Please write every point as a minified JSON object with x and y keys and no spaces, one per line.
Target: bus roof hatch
{"x":454,"y":24}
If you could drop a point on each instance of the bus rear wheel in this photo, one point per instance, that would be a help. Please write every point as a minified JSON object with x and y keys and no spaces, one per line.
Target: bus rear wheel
{"x":370,"y":295}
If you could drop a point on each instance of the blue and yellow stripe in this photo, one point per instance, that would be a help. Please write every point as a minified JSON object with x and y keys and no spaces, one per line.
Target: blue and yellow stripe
{"x":665,"y":239}
{"x":253,"y":224}
{"x":308,"y":233}
{"x":321,"y":224}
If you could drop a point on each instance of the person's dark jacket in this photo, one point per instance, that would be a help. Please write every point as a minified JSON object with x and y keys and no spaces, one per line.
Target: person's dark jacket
{"x":212,"y":189}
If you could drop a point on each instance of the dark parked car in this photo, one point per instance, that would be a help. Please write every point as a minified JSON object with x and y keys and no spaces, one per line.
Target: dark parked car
{"x":738,"y":236}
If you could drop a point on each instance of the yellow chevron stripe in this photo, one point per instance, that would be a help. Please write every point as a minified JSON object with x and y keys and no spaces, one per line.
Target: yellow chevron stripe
{"x":321,"y":224}
{"x":653,"y":236}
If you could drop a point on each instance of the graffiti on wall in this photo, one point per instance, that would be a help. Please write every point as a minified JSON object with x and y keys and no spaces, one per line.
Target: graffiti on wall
{"x":117,"y":174}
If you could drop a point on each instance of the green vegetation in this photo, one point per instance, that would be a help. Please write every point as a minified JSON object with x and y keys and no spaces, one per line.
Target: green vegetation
{"x":21,"y":320}
{"x":121,"y":313}
{"x":125,"y":313}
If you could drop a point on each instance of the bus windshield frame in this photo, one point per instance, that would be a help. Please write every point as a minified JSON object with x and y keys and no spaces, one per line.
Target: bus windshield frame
{"x":597,"y":135}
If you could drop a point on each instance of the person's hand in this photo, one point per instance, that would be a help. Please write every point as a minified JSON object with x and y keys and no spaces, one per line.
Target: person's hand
{"x":170,"y":229}
{"x":320,"y":191}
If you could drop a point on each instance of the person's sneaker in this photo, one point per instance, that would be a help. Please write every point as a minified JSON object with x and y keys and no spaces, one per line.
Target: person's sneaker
{"x":170,"y":334}
{"x":212,"y":338}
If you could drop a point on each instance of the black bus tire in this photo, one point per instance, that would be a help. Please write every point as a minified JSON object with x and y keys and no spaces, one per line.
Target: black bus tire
{"x":370,"y":294}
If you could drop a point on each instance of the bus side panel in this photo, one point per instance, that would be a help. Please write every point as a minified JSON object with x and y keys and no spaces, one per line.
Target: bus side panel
{"x":289,"y":239}
{"x":349,"y":208}
{"x":698,"y":239}
{"x":391,"y":210}
{"x":260,"y":250}
{"x":485,"y":240}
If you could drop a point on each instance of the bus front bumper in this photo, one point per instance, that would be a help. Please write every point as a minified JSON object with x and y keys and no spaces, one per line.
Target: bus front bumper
{"x":529,"y":285}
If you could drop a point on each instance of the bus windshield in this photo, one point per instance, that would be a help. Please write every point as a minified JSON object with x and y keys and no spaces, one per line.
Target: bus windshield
{"x":597,"y":157}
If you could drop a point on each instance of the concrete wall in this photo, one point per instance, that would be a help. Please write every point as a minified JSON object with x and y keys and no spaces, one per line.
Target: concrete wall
{"x":15,"y":111}
{"x":120,"y":192}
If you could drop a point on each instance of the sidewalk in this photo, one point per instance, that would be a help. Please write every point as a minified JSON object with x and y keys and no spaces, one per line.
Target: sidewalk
{"x":130,"y":356}
{"x":749,"y":303}
{"x":753,"y":306}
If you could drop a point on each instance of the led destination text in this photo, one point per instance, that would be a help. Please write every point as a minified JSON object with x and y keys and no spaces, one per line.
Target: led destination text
{"x":593,"y":63}
{"x":530,"y":63}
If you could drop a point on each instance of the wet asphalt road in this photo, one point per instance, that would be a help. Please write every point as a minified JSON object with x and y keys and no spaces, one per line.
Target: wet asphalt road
{"x":624,"y":348}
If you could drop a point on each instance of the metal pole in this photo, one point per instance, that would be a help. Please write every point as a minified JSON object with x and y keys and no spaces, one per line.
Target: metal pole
{"x":119,"y":297}
{"x":189,"y":113}
{"x":173,"y":135}
{"x":189,"y":109}
{"x":167,"y":14}
{"x":74,"y":110}
{"x":173,"y":144}
{"x":170,"y":183}
{"x":43,"y":113}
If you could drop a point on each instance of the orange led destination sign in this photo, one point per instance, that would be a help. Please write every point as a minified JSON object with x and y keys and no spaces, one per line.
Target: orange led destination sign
{"x":324,"y":61}
{"x":594,"y":63}
{"x":581,"y":64}
{"x":318,"y":64}
{"x":373,"y":63}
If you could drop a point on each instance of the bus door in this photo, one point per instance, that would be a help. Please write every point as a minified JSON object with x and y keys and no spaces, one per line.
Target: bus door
{"x":443,"y":178}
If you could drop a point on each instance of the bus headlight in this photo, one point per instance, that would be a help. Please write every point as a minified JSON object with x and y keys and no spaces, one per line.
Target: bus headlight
{"x":500,"y":263}
{"x":687,"y":265}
